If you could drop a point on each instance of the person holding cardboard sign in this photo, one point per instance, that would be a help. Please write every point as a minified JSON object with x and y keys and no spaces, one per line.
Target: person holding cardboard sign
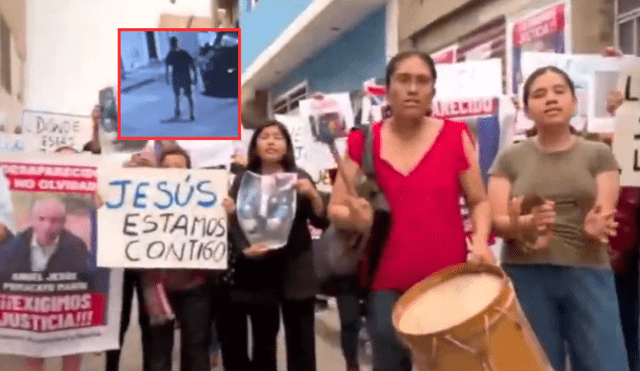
{"x":189,"y":298}
{"x":554,"y":197}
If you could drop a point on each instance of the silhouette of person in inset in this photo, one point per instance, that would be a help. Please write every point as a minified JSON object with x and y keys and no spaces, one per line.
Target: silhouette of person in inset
{"x":181,"y":64}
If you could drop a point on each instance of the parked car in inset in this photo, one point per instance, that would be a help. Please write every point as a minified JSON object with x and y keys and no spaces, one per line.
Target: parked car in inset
{"x":220,"y":68}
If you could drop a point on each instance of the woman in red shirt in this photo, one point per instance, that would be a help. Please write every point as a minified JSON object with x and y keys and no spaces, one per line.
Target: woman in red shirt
{"x":422,"y":165}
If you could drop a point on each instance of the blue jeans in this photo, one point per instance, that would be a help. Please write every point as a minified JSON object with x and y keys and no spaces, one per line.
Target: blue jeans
{"x":573,"y":305}
{"x":349,"y":311}
{"x":388,"y":352}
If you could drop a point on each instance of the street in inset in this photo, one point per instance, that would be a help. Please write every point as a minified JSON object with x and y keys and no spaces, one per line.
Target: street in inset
{"x":162,"y":66}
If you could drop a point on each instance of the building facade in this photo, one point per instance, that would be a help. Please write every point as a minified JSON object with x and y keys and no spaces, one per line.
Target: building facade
{"x":628,"y":26}
{"x":460,"y":30}
{"x":311,"y":46}
{"x":12,"y":63}
{"x":331,"y":45}
{"x":84,"y":47}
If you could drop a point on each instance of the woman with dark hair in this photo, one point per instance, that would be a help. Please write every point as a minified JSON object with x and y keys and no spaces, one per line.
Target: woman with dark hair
{"x":554,"y":197}
{"x":259,"y":279}
{"x":422,"y":166}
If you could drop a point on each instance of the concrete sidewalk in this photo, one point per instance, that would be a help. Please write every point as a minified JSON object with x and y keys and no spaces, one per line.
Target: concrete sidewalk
{"x":148,"y":112}
{"x":142,"y":76}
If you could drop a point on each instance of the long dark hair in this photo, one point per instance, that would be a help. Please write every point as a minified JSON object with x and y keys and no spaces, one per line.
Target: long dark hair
{"x":392,"y":66}
{"x":288,"y":161}
{"x":529,"y":83}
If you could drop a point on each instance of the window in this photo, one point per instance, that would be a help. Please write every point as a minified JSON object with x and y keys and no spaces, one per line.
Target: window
{"x":629,"y":34}
{"x":626,"y":6}
{"x":290,"y":100}
{"x":629,"y":26}
{"x":625,"y":31}
{"x":5,"y":52}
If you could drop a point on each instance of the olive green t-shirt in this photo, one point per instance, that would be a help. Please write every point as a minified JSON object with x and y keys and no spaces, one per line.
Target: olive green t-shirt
{"x":568,"y":178}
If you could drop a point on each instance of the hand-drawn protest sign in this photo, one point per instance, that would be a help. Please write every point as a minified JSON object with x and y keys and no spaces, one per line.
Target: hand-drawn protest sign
{"x":469,"y":79}
{"x":46,"y":131}
{"x":53,"y":299}
{"x":295,"y":124}
{"x":162,"y":218}
{"x":626,"y":140}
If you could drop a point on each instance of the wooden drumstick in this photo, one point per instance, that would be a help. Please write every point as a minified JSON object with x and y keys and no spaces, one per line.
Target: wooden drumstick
{"x":351,"y":189}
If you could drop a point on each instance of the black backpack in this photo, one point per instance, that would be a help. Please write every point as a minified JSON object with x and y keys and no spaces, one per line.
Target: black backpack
{"x":340,"y":252}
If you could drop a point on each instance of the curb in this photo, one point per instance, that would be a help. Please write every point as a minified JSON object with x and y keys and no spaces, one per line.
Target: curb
{"x":137,"y":85}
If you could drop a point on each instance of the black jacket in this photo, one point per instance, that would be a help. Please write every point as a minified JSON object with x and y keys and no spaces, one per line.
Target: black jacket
{"x":72,"y":255}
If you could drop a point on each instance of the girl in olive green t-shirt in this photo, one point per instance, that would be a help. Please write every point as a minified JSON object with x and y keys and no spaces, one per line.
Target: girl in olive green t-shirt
{"x":554,"y":199}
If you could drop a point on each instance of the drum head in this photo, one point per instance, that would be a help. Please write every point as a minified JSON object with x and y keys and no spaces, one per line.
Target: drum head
{"x":450,"y":303}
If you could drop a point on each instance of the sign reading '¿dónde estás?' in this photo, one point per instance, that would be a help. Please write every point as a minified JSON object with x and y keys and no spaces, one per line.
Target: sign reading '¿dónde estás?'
{"x":47,"y":132}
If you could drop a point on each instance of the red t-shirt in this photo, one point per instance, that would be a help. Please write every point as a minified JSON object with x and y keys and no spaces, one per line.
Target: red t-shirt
{"x":427,"y":232}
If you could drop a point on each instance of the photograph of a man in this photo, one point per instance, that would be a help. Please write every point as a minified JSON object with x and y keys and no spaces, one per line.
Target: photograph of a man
{"x":181,"y":64}
{"x":46,"y":246}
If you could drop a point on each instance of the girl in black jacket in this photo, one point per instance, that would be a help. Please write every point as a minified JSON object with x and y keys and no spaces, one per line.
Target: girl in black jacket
{"x":261,"y":279}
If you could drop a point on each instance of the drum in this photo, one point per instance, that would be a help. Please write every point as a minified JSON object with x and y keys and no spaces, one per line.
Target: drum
{"x":467,"y":318}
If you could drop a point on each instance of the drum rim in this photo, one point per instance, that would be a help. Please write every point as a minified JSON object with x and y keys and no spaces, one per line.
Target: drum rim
{"x":440,"y":277}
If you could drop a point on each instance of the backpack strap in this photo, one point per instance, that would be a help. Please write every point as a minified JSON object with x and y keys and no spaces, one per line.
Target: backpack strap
{"x":367,"y":153}
{"x":382,"y":214}
{"x":368,"y":187}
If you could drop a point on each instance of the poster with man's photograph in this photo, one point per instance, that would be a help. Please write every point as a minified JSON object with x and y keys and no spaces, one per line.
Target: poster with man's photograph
{"x":53,"y":298}
{"x":327,"y":120}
